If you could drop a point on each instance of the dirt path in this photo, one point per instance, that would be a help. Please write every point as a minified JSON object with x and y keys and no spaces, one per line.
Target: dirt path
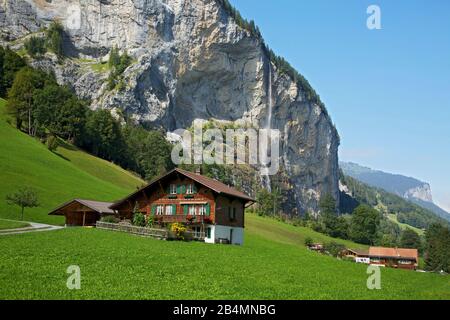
{"x":34,"y":227}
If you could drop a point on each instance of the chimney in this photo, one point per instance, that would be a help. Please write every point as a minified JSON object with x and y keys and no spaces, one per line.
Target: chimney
{"x":198,"y":170}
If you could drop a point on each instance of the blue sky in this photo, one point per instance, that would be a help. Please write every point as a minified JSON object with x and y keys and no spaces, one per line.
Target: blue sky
{"x":388,"y":90}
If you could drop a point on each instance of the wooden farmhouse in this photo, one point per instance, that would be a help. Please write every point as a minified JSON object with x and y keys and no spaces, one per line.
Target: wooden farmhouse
{"x":79,"y":212}
{"x":386,"y":257}
{"x":206,"y":205}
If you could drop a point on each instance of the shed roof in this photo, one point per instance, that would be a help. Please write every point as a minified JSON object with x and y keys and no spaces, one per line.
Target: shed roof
{"x":97,"y":206}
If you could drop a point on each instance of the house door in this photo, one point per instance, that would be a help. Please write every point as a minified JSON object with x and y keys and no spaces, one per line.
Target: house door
{"x":231,"y":235}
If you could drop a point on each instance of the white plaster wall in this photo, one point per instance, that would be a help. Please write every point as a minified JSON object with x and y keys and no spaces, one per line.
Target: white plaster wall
{"x":223,"y":232}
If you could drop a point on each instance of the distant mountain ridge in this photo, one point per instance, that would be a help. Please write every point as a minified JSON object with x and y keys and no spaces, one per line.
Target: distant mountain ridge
{"x":409,"y":188}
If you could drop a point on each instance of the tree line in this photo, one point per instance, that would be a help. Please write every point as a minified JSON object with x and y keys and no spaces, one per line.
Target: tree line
{"x":48,"y":111}
{"x":52,"y":41}
{"x":437,"y":251}
{"x":117,"y":63}
{"x":405,"y":211}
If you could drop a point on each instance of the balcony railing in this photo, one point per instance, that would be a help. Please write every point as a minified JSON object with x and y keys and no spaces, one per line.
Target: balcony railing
{"x":182,"y":218}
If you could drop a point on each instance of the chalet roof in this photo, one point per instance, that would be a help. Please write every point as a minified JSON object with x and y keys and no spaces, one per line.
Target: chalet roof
{"x":212,"y":184}
{"x":97,"y":206}
{"x":215,"y":185}
{"x":359,"y":252}
{"x":394,"y":253}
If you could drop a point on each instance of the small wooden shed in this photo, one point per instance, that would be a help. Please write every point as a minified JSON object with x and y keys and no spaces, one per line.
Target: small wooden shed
{"x":79,"y":212}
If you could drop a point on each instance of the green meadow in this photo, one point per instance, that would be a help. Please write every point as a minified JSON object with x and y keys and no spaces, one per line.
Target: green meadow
{"x":273,"y":263}
{"x":270,"y":265}
{"x":57,"y":176}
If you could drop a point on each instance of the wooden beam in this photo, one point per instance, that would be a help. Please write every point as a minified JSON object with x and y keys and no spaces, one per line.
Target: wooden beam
{"x":84,"y":218}
{"x":160,"y":184}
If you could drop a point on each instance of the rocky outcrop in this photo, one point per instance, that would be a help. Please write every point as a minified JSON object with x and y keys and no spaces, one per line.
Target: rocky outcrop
{"x":422,"y":192}
{"x":191,"y":61}
{"x":403,"y":186}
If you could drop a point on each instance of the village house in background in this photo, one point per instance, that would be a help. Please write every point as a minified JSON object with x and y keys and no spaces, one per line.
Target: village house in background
{"x":207,"y":206}
{"x":386,"y":257}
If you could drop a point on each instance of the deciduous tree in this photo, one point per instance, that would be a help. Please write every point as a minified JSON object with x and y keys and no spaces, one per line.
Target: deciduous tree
{"x":363,"y":225}
{"x":24,"y":197}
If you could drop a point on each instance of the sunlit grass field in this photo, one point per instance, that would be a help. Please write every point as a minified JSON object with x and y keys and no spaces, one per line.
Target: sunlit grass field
{"x":58,"y":177}
{"x":122,"y":266}
{"x":272,"y":264}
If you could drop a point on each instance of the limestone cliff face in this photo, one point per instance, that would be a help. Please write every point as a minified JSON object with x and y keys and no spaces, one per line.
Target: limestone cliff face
{"x":191,"y":61}
{"x":422,"y":192}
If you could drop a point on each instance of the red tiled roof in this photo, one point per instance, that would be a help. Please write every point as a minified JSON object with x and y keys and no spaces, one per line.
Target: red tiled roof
{"x":394,"y":253}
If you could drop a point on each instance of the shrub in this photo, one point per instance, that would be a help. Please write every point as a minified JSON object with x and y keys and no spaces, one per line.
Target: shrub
{"x":333,"y":248}
{"x":178,"y":230}
{"x":150,"y":221}
{"x":54,"y":39}
{"x":139,"y":219}
{"x":52,"y":143}
{"x":118,"y":63}
{"x":297,"y":222}
{"x":308,"y":241}
{"x":110,"y":219}
{"x":317,"y":226}
{"x":35,"y":46}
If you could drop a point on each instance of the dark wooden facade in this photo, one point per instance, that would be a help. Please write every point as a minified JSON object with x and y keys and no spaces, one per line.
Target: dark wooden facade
{"x":395,"y":262}
{"x":205,"y":205}
{"x":181,"y":199}
{"x":84,"y":213}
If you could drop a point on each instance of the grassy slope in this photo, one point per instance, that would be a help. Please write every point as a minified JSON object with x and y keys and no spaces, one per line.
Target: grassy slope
{"x":288,"y":234}
{"x":57,"y":178}
{"x":272,"y":264}
{"x":9,"y":224}
{"x":403,"y":226}
{"x":99,"y":168}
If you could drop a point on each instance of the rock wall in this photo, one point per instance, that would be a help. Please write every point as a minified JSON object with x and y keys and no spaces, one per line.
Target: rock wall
{"x":191,"y":61}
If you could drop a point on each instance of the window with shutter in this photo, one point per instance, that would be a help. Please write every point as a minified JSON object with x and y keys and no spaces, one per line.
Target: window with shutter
{"x":208,"y":209}
{"x":174,"y":209}
{"x":185,"y":209}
